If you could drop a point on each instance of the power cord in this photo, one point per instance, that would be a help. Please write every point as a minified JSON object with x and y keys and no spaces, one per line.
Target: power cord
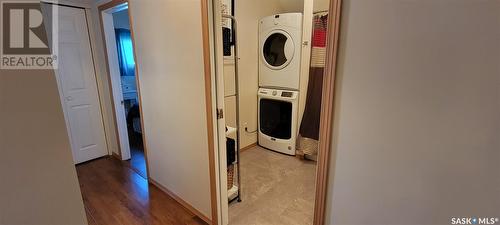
{"x":250,"y":132}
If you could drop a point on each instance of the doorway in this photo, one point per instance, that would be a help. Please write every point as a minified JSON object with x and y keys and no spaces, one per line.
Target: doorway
{"x":270,"y":88}
{"x":118,"y":39}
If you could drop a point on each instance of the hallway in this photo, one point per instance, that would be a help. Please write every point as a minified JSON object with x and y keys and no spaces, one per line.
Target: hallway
{"x":115,"y":194}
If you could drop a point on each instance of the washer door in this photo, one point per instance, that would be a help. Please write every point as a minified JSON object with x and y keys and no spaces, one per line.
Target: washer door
{"x":277,"y":49}
{"x":276,"y":118}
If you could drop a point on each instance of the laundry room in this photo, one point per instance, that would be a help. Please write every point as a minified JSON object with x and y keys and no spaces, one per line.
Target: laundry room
{"x":274,"y":54}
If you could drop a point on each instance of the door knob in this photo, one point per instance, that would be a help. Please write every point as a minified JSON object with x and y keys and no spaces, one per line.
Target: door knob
{"x":69,"y":98}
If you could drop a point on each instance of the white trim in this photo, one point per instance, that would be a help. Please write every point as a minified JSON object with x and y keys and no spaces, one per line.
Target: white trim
{"x":307,"y":25}
{"x":100,"y":84}
{"x":115,"y":80}
{"x":220,"y":124}
{"x":81,"y":4}
{"x":213,"y":80}
{"x":116,"y":8}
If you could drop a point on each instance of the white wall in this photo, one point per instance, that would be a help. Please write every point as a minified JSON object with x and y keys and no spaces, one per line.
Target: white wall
{"x":169,"y":59}
{"x":418,"y":138}
{"x":38,"y":179}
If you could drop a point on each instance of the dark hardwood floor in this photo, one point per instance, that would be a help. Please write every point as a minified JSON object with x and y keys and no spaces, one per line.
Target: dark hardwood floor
{"x":137,"y":161}
{"x":115,"y":194}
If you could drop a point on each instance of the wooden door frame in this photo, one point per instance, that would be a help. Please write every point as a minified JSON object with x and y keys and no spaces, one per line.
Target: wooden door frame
{"x":324,"y":166}
{"x":207,"y":66}
{"x":101,"y":9}
{"x":328,"y":99}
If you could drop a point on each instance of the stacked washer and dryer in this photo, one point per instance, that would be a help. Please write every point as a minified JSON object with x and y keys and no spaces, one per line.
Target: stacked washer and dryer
{"x":280,"y":38}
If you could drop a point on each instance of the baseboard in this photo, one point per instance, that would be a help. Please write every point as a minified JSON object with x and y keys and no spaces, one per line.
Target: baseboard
{"x":180,"y":201}
{"x":248,"y":147}
{"x":116,"y":156}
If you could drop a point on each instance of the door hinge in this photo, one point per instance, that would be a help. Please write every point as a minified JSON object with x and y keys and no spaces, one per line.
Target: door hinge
{"x":220,"y":114}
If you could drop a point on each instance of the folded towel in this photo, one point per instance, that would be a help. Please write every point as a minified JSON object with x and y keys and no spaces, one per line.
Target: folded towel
{"x":230,"y":151}
{"x":226,"y":39}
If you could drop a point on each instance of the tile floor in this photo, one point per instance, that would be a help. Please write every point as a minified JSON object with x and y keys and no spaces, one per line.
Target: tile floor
{"x":276,"y":189}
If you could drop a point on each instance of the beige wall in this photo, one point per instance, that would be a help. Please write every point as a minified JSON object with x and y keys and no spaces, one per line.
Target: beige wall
{"x":321,"y":5}
{"x":38,"y":179}
{"x":169,"y":47}
{"x":291,"y":6}
{"x":418,"y":138}
{"x":39,"y":182}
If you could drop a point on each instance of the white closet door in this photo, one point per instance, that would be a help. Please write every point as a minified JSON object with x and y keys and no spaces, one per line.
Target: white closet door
{"x":78,"y":86}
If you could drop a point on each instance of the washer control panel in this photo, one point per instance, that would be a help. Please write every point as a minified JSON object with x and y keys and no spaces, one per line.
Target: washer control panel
{"x":278,"y":93}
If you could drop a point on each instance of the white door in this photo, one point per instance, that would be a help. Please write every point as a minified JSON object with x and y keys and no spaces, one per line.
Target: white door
{"x":78,"y":86}
{"x":116,"y":86}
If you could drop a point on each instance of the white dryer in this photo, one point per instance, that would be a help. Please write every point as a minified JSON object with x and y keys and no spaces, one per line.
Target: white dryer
{"x":278,"y":119}
{"x":280,"y":38}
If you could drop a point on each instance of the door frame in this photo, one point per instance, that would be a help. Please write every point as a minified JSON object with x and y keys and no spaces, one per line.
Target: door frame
{"x":115,"y":81}
{"x":326,"y":147}
{"x":102,"y":9}
{"x":328,"y":100}
{"x":210,"y":107}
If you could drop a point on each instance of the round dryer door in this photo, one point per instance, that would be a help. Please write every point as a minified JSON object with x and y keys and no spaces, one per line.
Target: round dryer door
{"x":277,"y":49}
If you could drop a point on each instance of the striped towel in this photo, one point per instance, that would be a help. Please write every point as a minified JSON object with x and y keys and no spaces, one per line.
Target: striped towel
{"x":318,"y":51}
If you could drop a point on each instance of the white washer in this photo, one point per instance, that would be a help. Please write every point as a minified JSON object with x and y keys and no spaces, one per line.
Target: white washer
{"x":278,"y":119}
{"x":280,"y":38}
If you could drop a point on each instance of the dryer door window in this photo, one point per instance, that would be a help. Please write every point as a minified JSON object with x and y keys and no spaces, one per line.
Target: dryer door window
{"x":277,"y":50}
{"x":276,"y":118}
